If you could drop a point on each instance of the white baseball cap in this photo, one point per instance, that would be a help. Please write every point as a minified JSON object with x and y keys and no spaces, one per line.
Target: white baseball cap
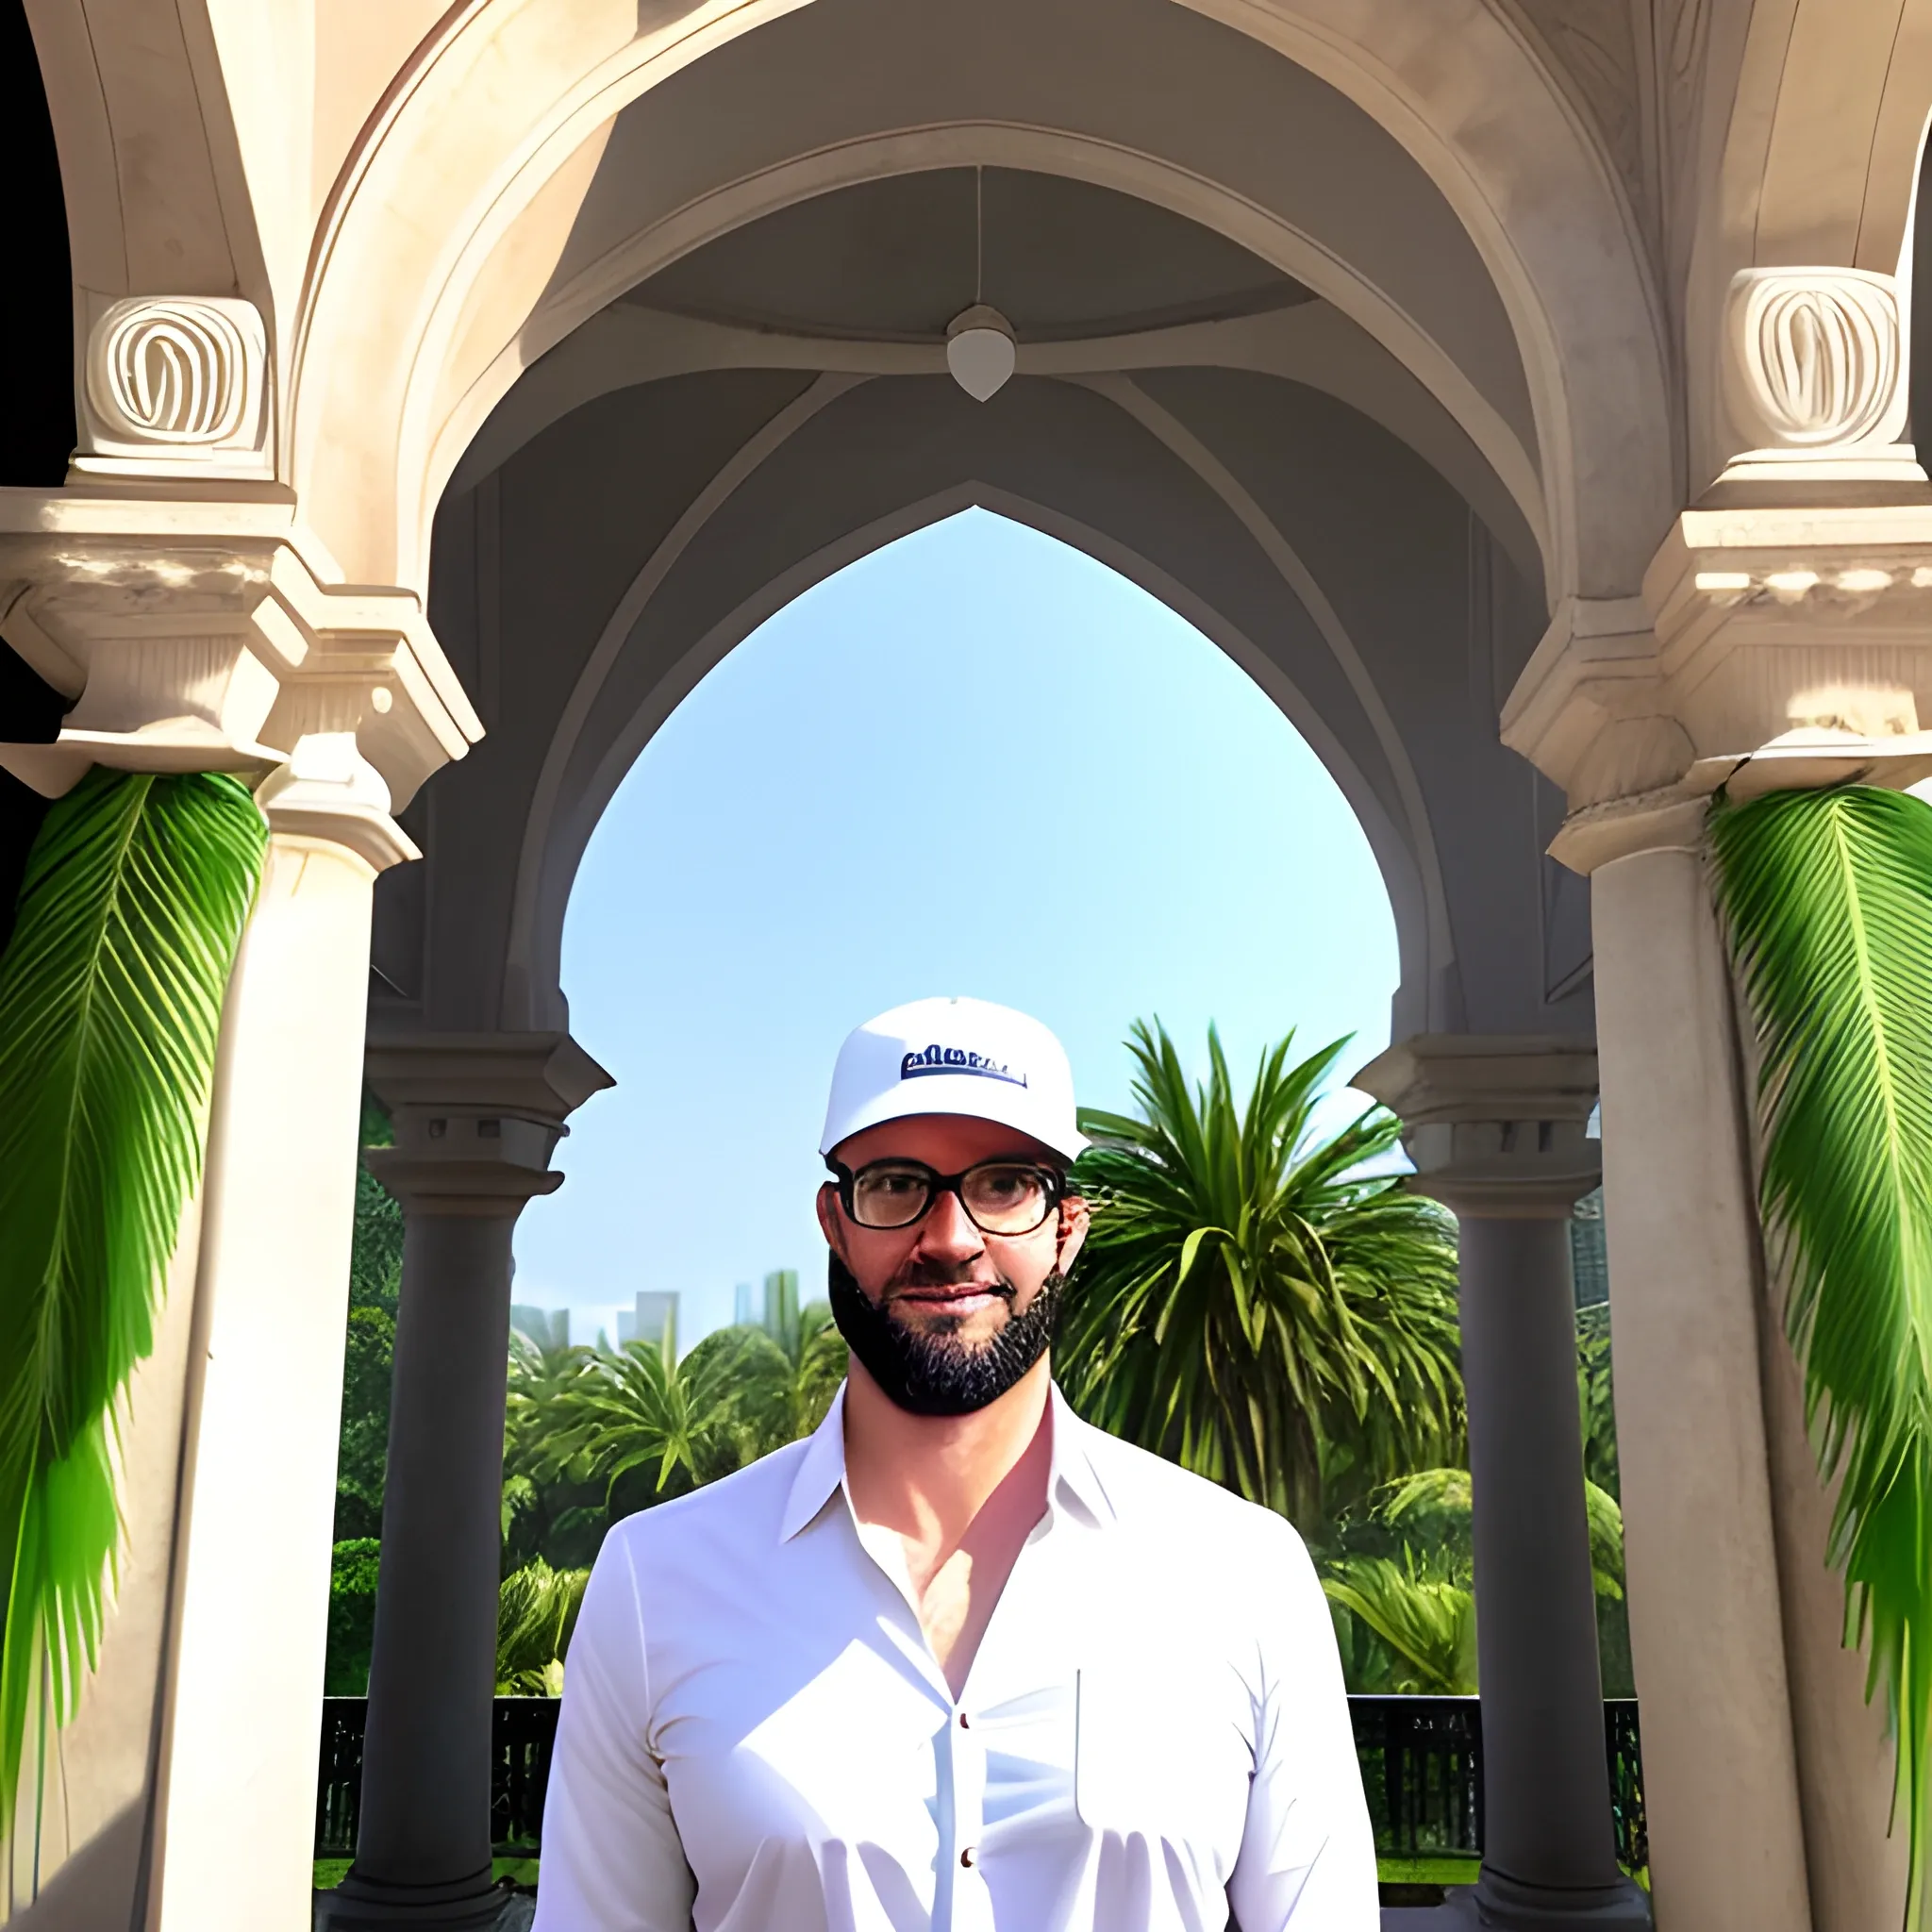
{"x":955,"y":1055}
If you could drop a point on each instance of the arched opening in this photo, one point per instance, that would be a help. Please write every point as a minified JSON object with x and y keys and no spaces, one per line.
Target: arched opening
{"x":770,"y":406}
{"x":1101,"y":817}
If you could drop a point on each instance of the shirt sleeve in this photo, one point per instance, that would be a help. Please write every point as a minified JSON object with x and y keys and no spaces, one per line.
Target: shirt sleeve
{"x":611,"y":1861}
{"x":1308,"y":1856}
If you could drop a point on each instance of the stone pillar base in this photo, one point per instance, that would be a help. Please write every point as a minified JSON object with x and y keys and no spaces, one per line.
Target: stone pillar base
{"x":1497,"y":1901}
{"x":462,"y":1905}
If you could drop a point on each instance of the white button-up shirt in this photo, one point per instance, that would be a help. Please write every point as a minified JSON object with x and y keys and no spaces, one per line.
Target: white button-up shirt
{"x":756,"y":1736}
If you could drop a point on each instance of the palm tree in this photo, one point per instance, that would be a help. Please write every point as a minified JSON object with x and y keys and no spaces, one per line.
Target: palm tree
{"x":818,"y":1355}
{"x":737,"y":1396}
{"x":546,"y":1513}
{"x":1827,"y":901}
{"x":591,"y":1434}
{"x":1251,"y":1303}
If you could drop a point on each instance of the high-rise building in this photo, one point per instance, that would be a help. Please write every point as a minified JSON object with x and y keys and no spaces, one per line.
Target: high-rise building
{"x":781,"y":1308}
{"x":653,"y":1319}
{"x":546,"y":1328}
{"x":741,"y":1315}
{"x":1590,"y":1263}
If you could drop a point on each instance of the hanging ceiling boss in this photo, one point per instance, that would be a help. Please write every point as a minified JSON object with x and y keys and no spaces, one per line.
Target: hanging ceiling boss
{"x":956,"y":1661}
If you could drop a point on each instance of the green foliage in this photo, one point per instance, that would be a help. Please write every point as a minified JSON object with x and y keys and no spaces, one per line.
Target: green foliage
{"x":1828,"y":897}
{"x":1250,"y":1303}
{"x":548,"y":1513}
{"x":375,"y":1279}
{"x":676,"y":1423}
{"x":1403,"y":1565}
{"x":1605,"y":1515}
{"x":1597,"y":1415}
{"x":362,"y":1451}
{"x":536,"y":1611}
{"x":1595,"y":1405}
{"x":592,"y":1435}
{"x":111,"y":992}
{"x":351,"y":1617}
{"x":1425,"y":1618}
{"x":1403,"y":1573}
{"x":1433,"y":1508}
{"x":375,"y":1259}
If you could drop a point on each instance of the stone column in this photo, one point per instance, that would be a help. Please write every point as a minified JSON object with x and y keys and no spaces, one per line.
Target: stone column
{"x":264,"y":1394}
{"x":204,"y":631}
{"x":1496,"y":1126}
{"x":476,"y":1118}
{"x":1706,"y":1636}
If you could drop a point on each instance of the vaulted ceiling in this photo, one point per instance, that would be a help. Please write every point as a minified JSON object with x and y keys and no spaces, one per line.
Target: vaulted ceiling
{"x":895,"y":260}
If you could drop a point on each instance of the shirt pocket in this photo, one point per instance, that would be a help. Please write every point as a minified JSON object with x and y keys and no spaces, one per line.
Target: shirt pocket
{"x":1162,"y":1756}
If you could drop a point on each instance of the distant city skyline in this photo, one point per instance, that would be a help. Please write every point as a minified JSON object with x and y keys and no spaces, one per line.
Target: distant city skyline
{"x":652,"y":1317}
{"x":976,"y":761}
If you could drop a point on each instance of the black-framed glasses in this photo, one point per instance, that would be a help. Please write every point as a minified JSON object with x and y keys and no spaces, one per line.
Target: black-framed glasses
{"x":1007,"y":1198}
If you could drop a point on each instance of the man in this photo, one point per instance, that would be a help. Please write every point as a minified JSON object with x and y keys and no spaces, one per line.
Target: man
{"x":957,"y":1660}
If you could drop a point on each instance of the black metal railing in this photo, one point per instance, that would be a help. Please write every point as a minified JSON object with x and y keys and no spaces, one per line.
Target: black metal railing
{"x":1422,"y":1772}
{"x":522,"y":1738}
{"x":1421,"y":1758}
{"x":1626,"y":1783}
{"x":523,"y":1732}
{"x":1422,"y":1762}
{"x":339,"y":1788}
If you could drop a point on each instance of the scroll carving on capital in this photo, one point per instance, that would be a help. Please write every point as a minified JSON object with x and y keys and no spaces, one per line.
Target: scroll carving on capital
{"x":176,"y":383}
{"x":1815,"y":360}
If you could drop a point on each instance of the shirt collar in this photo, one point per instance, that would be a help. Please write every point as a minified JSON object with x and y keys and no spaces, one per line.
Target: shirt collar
{"x":1072,"y":1475}
{"x":821,"y":1470}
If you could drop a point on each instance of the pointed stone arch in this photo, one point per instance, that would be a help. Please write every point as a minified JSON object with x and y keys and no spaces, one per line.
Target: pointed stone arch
{"x":446,"y":228}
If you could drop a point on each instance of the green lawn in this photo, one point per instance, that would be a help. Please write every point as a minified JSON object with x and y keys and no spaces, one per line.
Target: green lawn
{"x":330,"y":1872}
{"x":1428,"y":1870}
{"x":1449,"y":1870}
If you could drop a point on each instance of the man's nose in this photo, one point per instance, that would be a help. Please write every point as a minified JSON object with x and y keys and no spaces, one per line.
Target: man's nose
{"x":948,"y":1232}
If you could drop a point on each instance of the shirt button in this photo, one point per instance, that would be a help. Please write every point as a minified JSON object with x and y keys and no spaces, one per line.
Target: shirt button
{"x":970,"y":1857}
{"x":965,"y":1722}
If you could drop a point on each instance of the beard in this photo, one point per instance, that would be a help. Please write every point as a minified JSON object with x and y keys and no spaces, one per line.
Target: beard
{"x":930,"y":1371}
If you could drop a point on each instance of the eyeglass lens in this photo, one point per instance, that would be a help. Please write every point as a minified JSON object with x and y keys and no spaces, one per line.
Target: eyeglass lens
{"x":1002,"y":1196}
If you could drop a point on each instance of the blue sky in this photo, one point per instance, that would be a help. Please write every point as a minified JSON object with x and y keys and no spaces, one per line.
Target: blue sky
{"x":976,"y":763}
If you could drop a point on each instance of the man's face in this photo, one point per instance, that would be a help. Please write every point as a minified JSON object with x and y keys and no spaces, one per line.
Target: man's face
{"x":944,"y":1279}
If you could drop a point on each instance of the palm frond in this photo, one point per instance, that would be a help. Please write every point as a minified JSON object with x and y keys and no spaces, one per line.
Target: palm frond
{"x":1828,"y":899}
{"x":1427,"y":1622}
{"x":536,"y":1611}
{"x":111,"y":992}
{"x":1249,"y":1303}
{"x":737,"y":1396}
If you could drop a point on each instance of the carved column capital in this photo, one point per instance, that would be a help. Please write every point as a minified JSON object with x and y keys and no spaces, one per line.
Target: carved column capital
{"x":1814,"y":384}
{"x":476,"y":1116}
{"x":176,"y":385}
{"x":1771,"y":648}
{"x":1495,"y":1122}
{"x":214,"y":634}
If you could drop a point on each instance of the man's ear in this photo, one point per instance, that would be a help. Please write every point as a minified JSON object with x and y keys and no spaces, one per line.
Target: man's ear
{"x":1075,"y":1221}
{"x":827,"y":1205}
